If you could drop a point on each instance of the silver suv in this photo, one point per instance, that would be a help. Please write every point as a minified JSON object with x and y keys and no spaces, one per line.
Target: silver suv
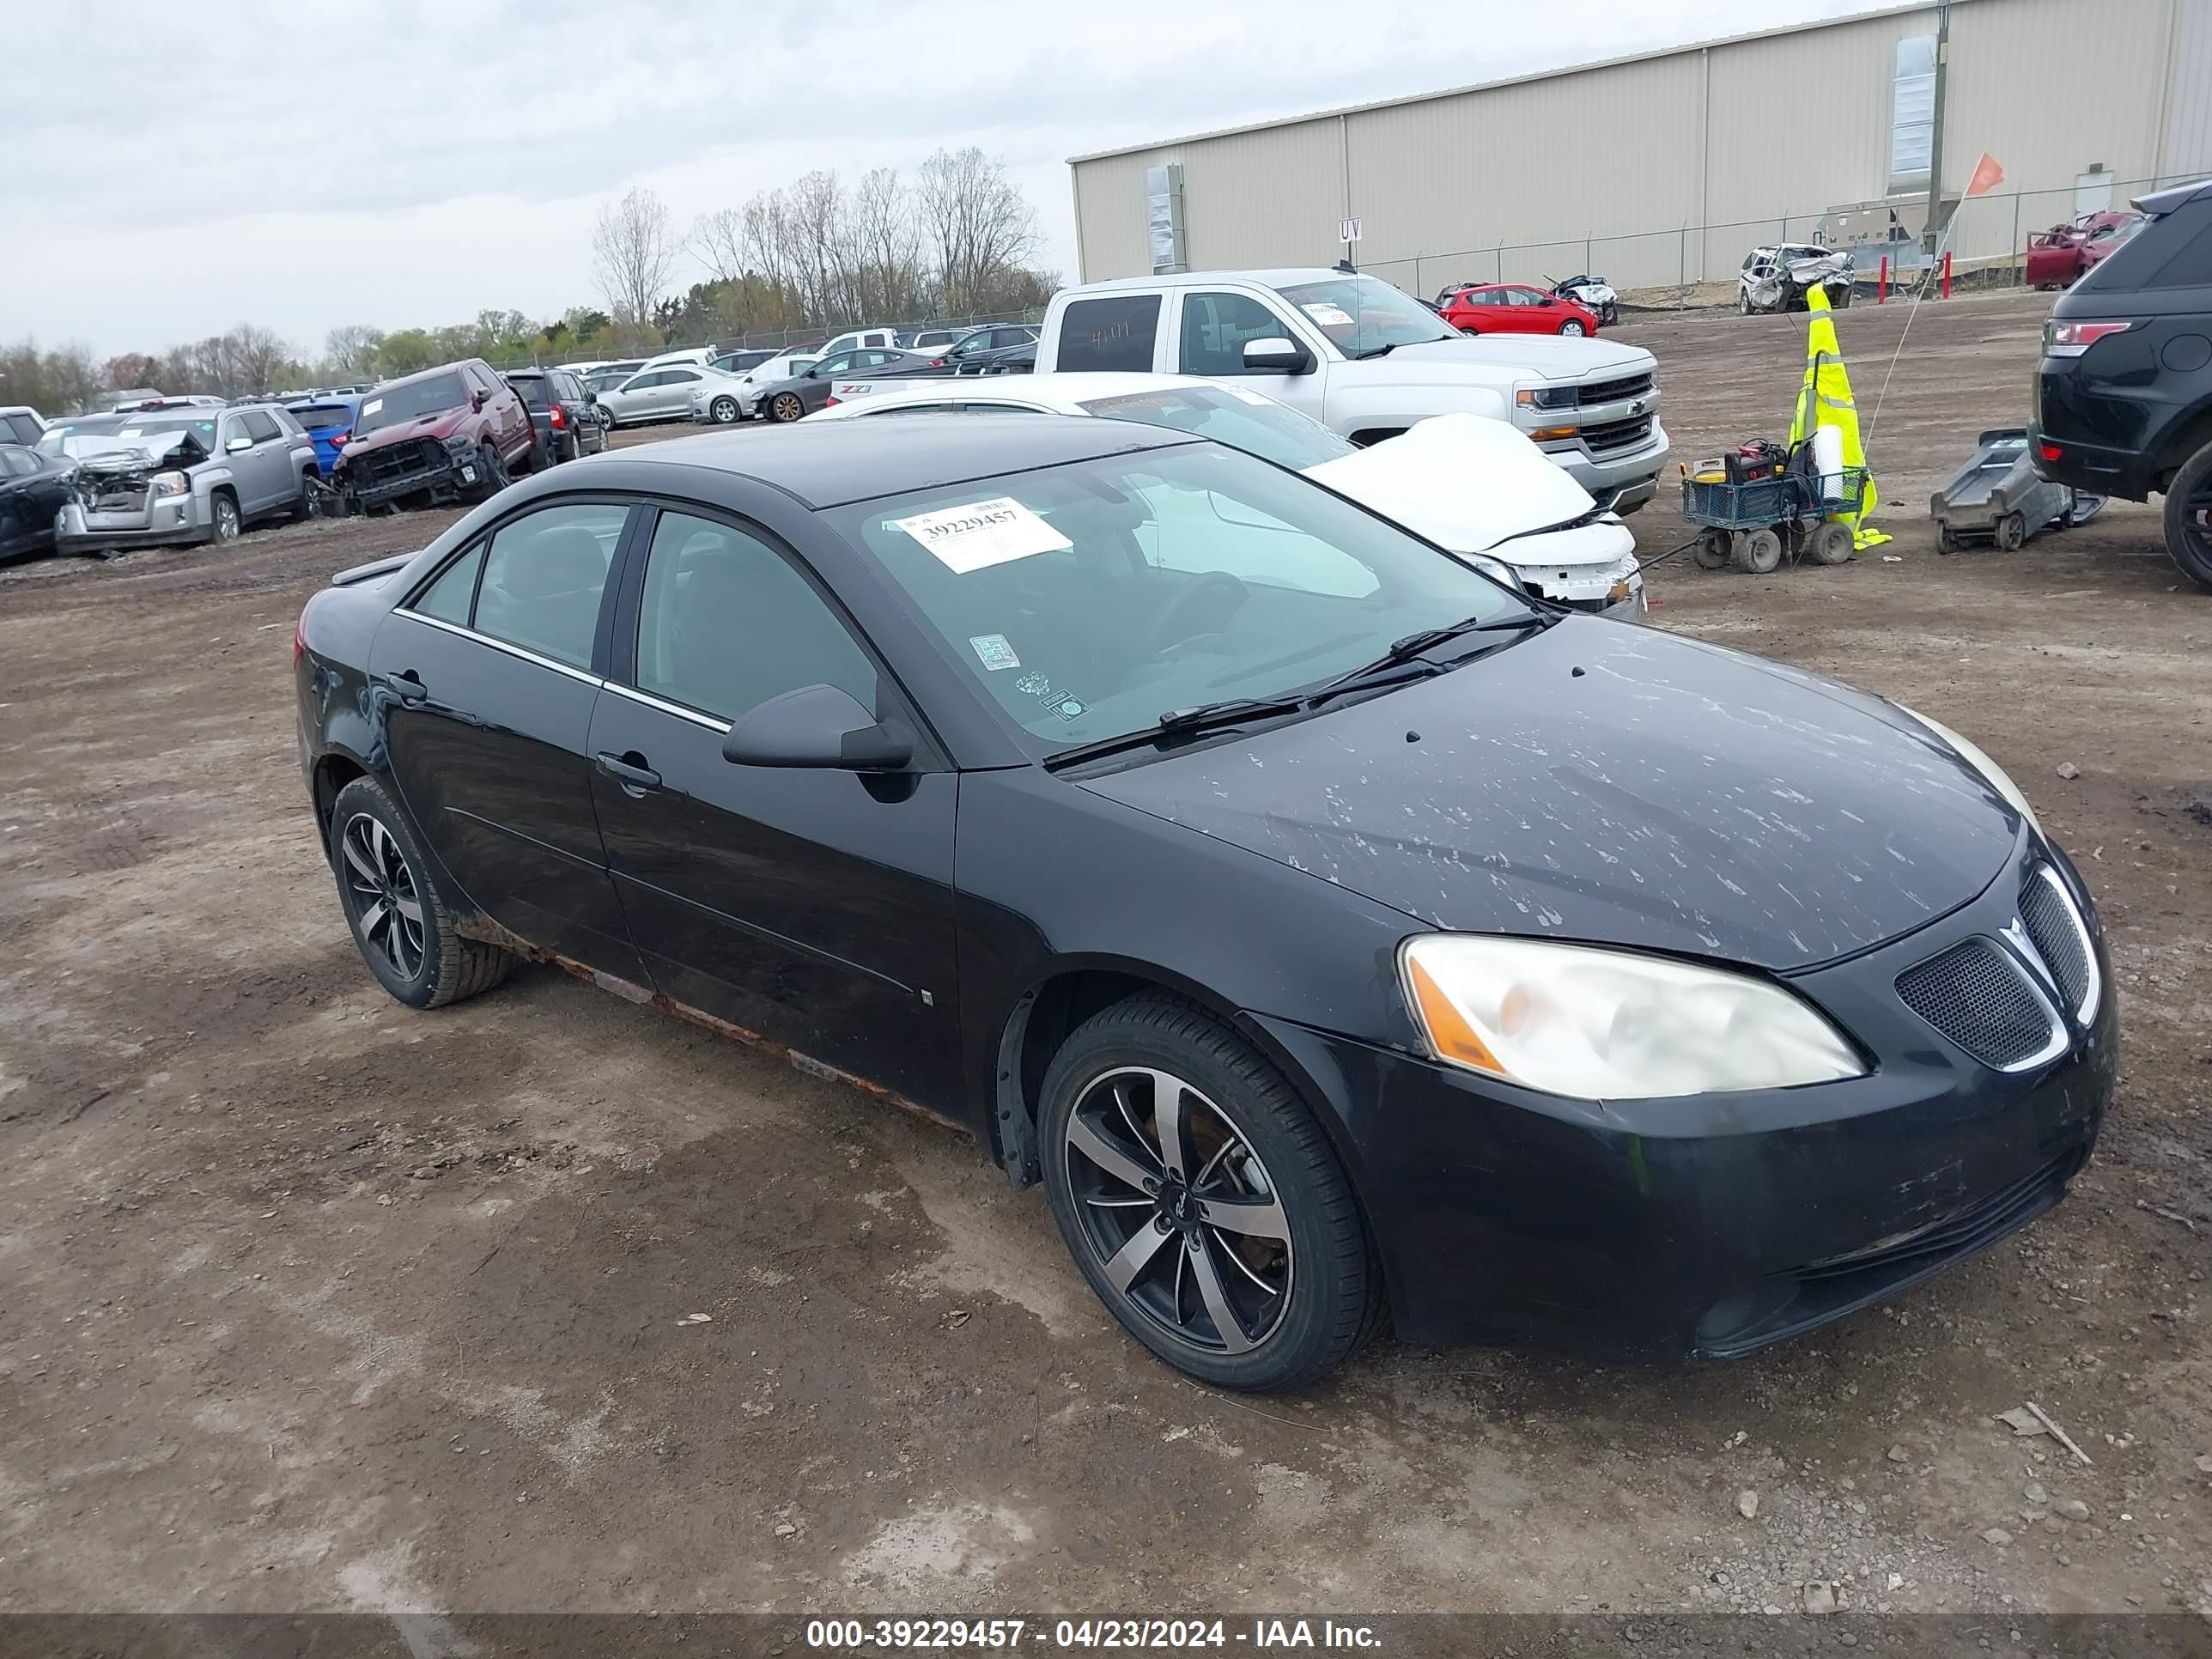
{"x":185,"y":474}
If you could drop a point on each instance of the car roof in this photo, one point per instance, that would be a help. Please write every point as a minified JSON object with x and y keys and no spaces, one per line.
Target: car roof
{"x":423,"y":373}
{"x":1281,"y":277}
{"x":837,"y":462}
{"x":1073,"y":386}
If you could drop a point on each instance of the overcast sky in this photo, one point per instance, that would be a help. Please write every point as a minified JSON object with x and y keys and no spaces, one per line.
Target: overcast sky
{"x":177,"y":169}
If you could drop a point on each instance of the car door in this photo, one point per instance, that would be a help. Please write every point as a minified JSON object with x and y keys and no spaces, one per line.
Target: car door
{"x":270,"y":459}
{"x":673,"y":397}
{"x":812,"y":907}
{"x":486,"y":678}
{"x":1216,"y":326}
{"x":18,"y":470}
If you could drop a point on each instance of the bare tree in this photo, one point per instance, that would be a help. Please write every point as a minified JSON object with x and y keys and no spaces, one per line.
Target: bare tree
{"x":260,"y":357}
{"x":885,"y":244}
{"x":718,"y":242}
{"x":634,"y":255}
{"x":979,"y":227}
{"x":350,"y":350}
{"x":814,"y":216}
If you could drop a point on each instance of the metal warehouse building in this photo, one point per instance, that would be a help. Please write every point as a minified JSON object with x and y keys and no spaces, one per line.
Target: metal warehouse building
{"x":1666,"y":168}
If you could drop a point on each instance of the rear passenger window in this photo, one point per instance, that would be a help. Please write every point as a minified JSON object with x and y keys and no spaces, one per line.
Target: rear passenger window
{"x":25,"y":429}
{"x":1113,"y":332}
{"x":2190,"y":266}
{"x":728,"y":624}
{"x":449,"y":599}
{"x":258,"y":426}
{"x":543,"y":577}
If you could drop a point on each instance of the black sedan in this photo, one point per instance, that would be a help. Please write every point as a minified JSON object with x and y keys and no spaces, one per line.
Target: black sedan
{"x":1323,"y":925}
{"x":32,"y":487}
{"x":566,"y":416}
{"x":812,"y":387}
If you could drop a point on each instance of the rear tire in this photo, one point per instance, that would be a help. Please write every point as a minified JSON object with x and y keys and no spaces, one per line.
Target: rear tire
{"x":1830,"y":543}
{"x":310,"y":504}
{"x":1246,"y":1140}
{"x":2188,"y":518}
{"x":1759,"y":552}
{"x":380,"y":868}
{"x":2011,"y":532}
{"x":1713,"y":550}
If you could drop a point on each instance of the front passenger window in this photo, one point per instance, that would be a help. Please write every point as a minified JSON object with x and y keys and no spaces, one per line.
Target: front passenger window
{"x":1216,"y":326}
{"x":543,"y":577}
{"x":727,"y":623}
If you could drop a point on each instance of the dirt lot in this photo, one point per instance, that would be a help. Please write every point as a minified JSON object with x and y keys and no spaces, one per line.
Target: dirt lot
{"x":310,"y":1301}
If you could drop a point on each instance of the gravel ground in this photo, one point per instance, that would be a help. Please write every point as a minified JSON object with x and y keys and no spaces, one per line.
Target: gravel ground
{"x":310,"y":1301}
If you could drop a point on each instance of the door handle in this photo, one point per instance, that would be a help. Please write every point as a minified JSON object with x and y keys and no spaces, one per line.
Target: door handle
{"x":635,"y":778}
{"x":409,"y":685}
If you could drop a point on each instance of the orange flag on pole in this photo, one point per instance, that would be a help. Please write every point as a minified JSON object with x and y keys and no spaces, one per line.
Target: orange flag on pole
{"x":1987,"y":175}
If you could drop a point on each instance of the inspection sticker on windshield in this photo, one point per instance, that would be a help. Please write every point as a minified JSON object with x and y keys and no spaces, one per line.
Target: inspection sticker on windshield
{"x":1328,"y":315}
{"x":982,"y":533}
{"x":993,"y":651}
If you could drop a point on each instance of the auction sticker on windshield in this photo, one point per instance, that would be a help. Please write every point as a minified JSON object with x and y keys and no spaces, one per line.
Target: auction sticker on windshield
{"x":1327,"y":315}
{"x":982,"y":533}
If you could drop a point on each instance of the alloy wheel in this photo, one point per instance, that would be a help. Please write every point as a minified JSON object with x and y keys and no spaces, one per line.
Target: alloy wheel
{"x":2195,"y":521}
{"x":225,"y":519}
{"x":1181,"y":1214}
{"x":387,"y":905}
{"x":788,"y":408}
{"x":1570,"y":326}
{"x":724,"y":411}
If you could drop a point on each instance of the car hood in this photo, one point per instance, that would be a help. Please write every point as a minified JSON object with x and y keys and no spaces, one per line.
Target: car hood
{"x":1465,"y":481}
{"x":440,"y":424}
{"x":128,"y":452}
{"x":1610,"y":783}
{"x":1536,"y":356}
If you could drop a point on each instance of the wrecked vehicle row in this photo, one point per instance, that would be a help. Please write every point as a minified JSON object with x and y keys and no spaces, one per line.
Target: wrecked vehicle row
{"x":179,"y":476}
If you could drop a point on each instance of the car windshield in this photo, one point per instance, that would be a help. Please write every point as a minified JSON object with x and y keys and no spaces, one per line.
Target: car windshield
{"x":149,"y":426}
{"x":396,"y":405}
{"x":1089,"y":599}
{"x":1364,"y":314}
{"x":1242,"y":420}
{"x":51,"y":440}
{"x":323,"y":417}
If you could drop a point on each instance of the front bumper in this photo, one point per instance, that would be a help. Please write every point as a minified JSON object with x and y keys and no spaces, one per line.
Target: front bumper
{"x":1709,"y":1227}
{"x":423,"y":466}
{"x":1614,"y":589}
{"x":165,"y":521}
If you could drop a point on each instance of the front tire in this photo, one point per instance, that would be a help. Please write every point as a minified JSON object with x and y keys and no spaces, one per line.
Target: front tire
{"x":786,"y":408}
{"x":493,"y":476}
{"x":228,"y":523}
{"x":1572,"y":327}
{"x":2188,"y":518}
{"x":723,"y":412}
{"x":1758,"y":552}
{"x":400,"y":926}
{"x":1202,"y":1201}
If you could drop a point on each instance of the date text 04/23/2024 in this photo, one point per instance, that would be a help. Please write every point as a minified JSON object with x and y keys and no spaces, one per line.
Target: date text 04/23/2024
{"x":894,"y":1634}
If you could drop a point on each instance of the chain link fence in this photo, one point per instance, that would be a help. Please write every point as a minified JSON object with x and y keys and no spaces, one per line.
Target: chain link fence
{"x":779,"y":339}
{"x":1697,"y":264}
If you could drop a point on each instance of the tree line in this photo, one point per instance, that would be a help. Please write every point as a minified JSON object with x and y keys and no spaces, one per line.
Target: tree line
{"x":957,"y":241}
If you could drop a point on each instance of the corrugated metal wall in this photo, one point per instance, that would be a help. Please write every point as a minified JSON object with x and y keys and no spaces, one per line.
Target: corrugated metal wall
{"x":1753,"y":139}
{"x":2186,"y":148}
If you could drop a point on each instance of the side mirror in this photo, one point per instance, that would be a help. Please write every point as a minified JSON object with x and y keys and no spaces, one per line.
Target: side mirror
{"x":819,"y":726}
{"x":1548,"y":301}
{"x":1276,"y":355}
{"x":477,"y":402}
{"x":239,"y":445}
{"x":592,"y":398}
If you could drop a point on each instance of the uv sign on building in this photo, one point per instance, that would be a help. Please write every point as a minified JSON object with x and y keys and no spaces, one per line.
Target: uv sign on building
{"x":1681,"y":161}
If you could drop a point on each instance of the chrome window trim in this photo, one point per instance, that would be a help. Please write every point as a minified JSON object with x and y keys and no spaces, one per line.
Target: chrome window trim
{"x":2088,"y":1011}
{"x":512,"y":650}
{"x":694,"y":715}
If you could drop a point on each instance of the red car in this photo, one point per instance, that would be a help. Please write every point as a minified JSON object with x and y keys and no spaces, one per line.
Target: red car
{"x":2057,"y":256}
{"x":1514,"y":308}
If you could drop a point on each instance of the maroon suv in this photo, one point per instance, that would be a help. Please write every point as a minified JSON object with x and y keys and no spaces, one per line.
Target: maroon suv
{"x":447,"y":433}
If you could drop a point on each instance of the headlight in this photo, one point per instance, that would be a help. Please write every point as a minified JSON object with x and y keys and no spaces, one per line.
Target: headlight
{"x":171,"y":484}
{"x":1992,"y":774}
{"x":1548,"y":397}
{"x":1572,"y":1019}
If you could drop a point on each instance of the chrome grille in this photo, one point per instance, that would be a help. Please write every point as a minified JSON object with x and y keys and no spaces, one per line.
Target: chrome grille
{"x":2046,"y":910}
{"x":1975,"y":995}
{"x":1593,"y":393}
{"x":1618,"y":434}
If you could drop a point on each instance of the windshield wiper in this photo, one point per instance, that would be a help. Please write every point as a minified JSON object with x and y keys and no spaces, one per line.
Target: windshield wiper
{"x":1374,"y":351}
{"x":1405,"y":650}
{"x":1179,"y":723}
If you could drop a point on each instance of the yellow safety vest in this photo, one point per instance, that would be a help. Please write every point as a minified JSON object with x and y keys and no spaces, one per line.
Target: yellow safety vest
{"x":1824,"y":399}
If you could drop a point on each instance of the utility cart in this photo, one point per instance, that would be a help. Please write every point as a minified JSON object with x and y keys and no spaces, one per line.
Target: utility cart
{"x":1754,"y":522}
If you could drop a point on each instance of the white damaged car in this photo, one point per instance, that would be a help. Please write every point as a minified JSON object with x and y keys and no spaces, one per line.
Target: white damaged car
{"x":1470,"y":484}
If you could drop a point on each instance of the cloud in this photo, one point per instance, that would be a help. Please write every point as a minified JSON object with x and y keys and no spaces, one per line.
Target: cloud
{"x":183,"y":169}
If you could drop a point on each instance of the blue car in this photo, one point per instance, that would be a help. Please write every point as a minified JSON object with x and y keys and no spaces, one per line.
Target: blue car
{"x":329,"y":419}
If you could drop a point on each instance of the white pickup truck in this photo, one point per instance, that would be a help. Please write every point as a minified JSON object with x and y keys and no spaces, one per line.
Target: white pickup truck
{"x":1367,"y":361}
